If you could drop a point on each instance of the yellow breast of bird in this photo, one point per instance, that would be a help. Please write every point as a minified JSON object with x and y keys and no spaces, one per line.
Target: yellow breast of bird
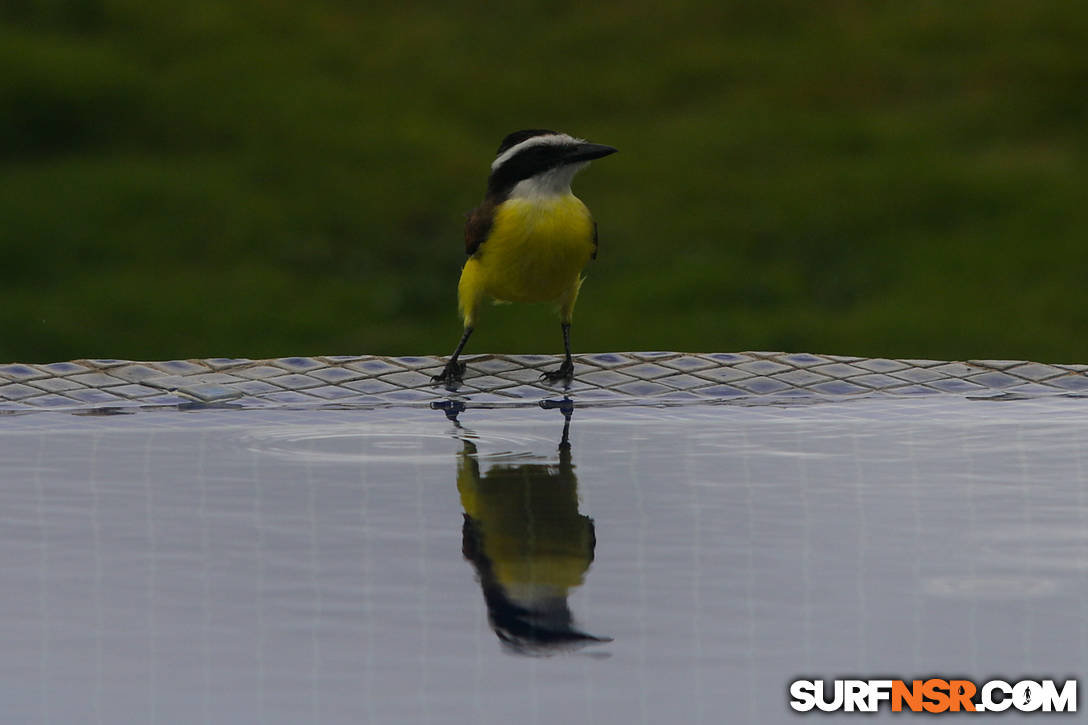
{"x":533,"y":534}
{"x":537,"y":248}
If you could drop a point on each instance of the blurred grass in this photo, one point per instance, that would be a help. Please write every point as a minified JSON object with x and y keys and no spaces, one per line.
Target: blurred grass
{"x":266,"y":177}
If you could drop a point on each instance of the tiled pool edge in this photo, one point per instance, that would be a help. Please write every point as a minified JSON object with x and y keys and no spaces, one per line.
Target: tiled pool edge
{"x":629,"y":378}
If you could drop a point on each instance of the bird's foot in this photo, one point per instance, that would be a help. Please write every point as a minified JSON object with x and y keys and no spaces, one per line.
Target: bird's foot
{"x":451,"y":374}
{"x":452,"y":409}
{"x":565,"y":372}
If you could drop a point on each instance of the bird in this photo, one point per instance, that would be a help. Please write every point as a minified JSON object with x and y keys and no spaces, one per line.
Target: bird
{"x":530,"y":546}
{"x":530,"y":238}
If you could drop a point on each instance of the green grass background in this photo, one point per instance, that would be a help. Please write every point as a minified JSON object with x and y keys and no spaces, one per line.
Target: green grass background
{"x":271,"y":177}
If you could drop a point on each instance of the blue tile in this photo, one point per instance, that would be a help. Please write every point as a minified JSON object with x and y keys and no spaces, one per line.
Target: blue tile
{"x":255,"y":387}
{"x":838,"y":387}
{"x":218,"y":363}
{"x":370,"y":386}
{"x":1036,"y":389}
{"x":722,"y":391}
{"x":839,"y":370}
{"x":682,"y":381}
{"x":490,"y":365}
{"x":729,"y":357}
{"x":169,"y":399}
{"x":98,"y":380}
{"x":134,"y":373}
{"x":180,"y":367}
{"x":958,"y":369}
{"x":209,"y":391}
{"x":802,"y":377}
{"x":917,"y":375}
{"x":606,"y":359}
{"x":336,"y":375}
{"x":167,"y":382}
{"x":64,"y":368}
{"x":763,"y":367}
{"x":18,"y":391}
{"x":294,"y":381}
{"x":408,"y":379}
{"x":606,"y":378}
{"x":642,"y":388}
{"x":374,"y":367}
{"x":956,"y":385}
{"x":763,"y":386}
{"x":997,"y":364}
{"x":996,"y":379}
{"x":1070,"y":382}
{"x":56,"y":385}
{"x":723,"y":374}
{"x":262,"y":372}
{"x":333,"y":392}
{"x":881,"y":365}
{"x":689,"y":363}
{"x":52,"y":401}
{"x":533,"y":360}
{"x":415,"y":362}
{"x":487,"y":382}
{"x":252,"y":401}
{"x":876,"y":380}
{"x":1036,"y":371}
{"x":134,"y":391}
{"x":803,"y":359}
{"x":647,"y":371}
{"x":214,"y":378}
{"x":599,"y":376}
{"x":298,"y":364}
{"x":21,"y":372}
{"x":89,"y":395}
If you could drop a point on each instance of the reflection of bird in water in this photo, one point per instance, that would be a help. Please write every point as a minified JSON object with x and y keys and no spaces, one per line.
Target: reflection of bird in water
{"x":530,"y":548}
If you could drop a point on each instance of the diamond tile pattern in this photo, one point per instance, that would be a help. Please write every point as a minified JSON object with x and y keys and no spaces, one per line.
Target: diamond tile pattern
{"x":503,"y":380}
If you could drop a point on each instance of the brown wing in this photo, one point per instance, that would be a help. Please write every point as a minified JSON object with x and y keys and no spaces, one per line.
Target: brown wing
{"x":478,"y":226}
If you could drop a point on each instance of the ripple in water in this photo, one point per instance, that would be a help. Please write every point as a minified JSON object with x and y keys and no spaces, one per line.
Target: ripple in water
{"x":351,"y":443}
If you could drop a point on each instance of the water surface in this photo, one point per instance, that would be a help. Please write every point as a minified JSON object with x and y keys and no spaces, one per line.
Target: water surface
{"x":672,"y":565}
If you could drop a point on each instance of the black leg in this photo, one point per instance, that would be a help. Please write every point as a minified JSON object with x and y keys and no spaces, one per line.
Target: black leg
{"x":564,"y":443}
{"x":454,"y":370}
{"x":566,"y":407}
{"x":566,"y":370}
{"x":452,"y":409}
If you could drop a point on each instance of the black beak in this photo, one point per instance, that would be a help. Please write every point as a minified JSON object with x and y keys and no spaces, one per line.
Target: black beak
{"x":588,"y":152}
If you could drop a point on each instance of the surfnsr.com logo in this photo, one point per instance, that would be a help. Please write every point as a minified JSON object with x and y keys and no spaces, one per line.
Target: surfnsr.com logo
{"x":933,"y":695}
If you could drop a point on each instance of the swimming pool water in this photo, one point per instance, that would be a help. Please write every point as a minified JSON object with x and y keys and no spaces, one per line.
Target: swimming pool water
{"x":674,"y":564}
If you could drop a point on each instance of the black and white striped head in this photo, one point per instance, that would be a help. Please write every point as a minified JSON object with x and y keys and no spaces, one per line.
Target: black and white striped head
{"x":538,"y":162}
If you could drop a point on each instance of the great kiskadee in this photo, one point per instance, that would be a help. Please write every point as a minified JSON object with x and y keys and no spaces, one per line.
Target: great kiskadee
{"x":530,"y":545}
{"x":530,"y":238}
